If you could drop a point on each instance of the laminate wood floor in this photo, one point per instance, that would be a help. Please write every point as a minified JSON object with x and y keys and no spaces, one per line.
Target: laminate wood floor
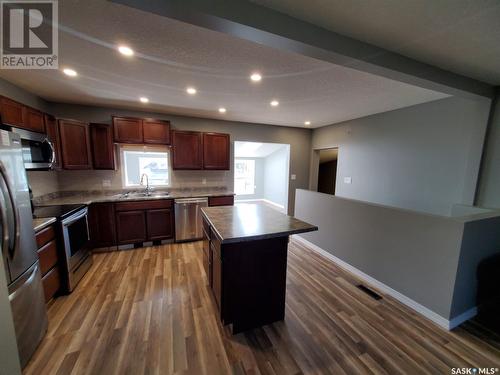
{"x":149,"y":311}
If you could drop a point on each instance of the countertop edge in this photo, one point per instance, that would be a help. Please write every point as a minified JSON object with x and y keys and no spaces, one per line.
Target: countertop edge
{"x":255,"y":237}
{"x":46,"y":221}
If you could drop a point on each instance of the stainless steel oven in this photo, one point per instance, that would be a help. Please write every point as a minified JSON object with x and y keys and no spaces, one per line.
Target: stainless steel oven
{"x":75,"y":235}
{"x":38,"y":151}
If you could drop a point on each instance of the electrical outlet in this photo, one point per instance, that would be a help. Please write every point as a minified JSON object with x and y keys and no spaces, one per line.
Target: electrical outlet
{"x":293,"y":177}
{"x":106,"y":183}
{"x":203,"y":181}
{"x":347,"y":180}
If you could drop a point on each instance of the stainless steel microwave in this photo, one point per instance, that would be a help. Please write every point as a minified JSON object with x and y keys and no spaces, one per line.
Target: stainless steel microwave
{"x":38,"y":151}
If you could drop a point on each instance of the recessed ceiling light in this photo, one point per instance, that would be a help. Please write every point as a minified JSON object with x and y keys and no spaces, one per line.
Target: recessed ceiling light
{"x":307,"y":123}
{"x":143,"y":99}
{"x":274,"y":103}
{"x":126,"y":51}
{"x":222,"y":110}
{"x":70,"y":72}
{"x":191,"y":90}
{"x":256,"y":77}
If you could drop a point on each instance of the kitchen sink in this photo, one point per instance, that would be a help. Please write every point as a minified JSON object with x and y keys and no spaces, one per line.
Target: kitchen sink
{"x":137,"y":194}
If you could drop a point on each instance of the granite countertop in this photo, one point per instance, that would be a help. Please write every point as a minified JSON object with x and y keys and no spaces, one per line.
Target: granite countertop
{"x":248,"y":222}
{"x":97,"y":197}
{"x":41,"y":223}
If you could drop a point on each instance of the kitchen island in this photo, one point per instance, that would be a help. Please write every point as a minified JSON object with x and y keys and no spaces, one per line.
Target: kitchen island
{"x":245,"y":259}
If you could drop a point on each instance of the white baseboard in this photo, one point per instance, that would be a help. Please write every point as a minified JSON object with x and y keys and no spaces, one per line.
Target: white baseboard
{"x":261,"y":200}
{"x":422,"y":310}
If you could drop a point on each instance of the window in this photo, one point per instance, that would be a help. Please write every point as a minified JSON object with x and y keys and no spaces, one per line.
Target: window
{"x":139,"y":160}
{"x":244,"y":176}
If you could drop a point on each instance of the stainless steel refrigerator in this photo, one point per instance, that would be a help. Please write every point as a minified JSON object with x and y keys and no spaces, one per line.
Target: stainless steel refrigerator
{"x":19,"y":249}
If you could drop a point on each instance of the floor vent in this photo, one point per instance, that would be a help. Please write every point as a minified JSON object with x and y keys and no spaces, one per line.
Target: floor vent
{"x":370,"y":292}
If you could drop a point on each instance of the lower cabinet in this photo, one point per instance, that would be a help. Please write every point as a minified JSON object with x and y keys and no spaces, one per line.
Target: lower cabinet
{"x":131,"y":227}
{"x":102,"y":224}
{"x":142,"y":221}
{"x":49,"y":261}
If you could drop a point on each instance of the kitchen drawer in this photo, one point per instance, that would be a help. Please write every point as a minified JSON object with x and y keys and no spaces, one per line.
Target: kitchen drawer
{"x":45,"y":235}
{"x":51,"y":283}
{"x":47,"y":256}
{"x":221,"y":201}
{"x":143,"y":205}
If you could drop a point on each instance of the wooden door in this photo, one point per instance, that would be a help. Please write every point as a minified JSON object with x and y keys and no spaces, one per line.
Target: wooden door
{"x":187,"y":150}
{"x":216,"y":151}
{"x":102,"y":224}
{"x":103,"y":156}
{"x":127,"y":130}
{"x":130,"y":227}
{"x":156,"y":131}
{"x":34,"y":120}
{"x":53,"y":135}
{"x":75,"y":145}
{"x":13,"y":113}
{"x":160,"y":224}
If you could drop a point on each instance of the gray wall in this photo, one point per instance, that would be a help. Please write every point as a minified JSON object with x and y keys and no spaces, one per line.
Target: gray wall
{"x":414,"y":253}
{"x":298,"y":139}
{"x":489,"y":189}
{"x":276,"y":176}
{"x":424,"y":157}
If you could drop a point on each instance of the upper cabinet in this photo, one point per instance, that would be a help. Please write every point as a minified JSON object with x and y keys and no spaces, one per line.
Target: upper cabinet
{"x":136,"y":130}
{"x":13,"y":113}
{"x":20,"y":116}
{"x":75,"y":144}
{"x":34,"y":120}
{"x":127,"y":130}
{"x":187,"y":150}
{"x":53,"y":135}
{"x":156,"y":131}
{"x":101,"y":143}
{"x":216,"y":151}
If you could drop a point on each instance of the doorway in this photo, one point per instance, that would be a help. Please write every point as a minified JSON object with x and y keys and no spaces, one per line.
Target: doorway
{"x":327,"y":170}
{"x":261,"y":173}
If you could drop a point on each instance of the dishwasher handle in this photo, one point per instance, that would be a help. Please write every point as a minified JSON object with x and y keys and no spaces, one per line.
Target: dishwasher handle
{"x":191,"y":201}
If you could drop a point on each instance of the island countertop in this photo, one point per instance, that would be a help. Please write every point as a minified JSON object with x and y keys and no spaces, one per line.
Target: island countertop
{"x":249,"y":222}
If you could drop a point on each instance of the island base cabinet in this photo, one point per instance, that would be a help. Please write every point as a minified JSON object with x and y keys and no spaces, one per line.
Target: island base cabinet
{"x":249,"y":282}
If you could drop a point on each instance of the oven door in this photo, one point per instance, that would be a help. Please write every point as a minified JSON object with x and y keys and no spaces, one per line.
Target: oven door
{"x":76,"y":237}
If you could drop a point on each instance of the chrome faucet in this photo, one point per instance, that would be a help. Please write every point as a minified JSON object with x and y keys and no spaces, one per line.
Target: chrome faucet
{"x":148,"y":188}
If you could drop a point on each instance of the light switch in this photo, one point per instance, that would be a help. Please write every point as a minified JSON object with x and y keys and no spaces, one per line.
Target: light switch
{"x":106,"y":183}
{"x":293,"y":177}
{"x":347,"y":180}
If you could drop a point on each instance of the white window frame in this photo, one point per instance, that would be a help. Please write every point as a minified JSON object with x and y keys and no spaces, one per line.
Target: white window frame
{"x":236,"y":160}
{"x":143,"y":148}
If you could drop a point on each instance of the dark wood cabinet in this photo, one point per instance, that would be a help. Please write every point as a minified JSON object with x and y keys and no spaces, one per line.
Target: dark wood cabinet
{"x":160,"y":224}
{"x":101,"y":140}
{"x":75,"y":145}
{"x":13,"y":113}
{"x":49,"y":261}
{"x":187,"y":150}
{"x":226,"y":200}
{"x":217,"y":277}
{"x":216,"y":151}
{"x":156,"y":131}
{"x":102,"y":225}
{"x":131,"y":227}
{"x":127,"y":130}
{"x":53,"y":135}
{"x":140,"y":221}
{"x":34,"y":120}
{"x":207,"y":255}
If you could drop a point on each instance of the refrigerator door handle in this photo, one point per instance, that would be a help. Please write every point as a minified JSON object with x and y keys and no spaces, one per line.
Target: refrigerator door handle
{"x":3,"y":173}
{"x":5,"y":225}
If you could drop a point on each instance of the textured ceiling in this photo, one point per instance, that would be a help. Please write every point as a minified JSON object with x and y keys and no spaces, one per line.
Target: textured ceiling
{"x":462,"y":36}
{"x":171,"y":55}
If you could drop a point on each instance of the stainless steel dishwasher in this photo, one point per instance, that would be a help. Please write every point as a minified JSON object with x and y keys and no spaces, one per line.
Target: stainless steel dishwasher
{"x":188,"y":221}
